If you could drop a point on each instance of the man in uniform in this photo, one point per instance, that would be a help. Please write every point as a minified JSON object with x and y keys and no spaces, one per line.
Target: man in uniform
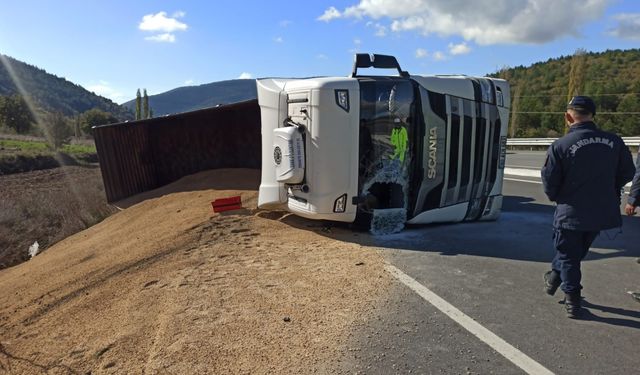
{"x":584,"y":173}
{"x":634,"y":193}
{"x":632,"y":203}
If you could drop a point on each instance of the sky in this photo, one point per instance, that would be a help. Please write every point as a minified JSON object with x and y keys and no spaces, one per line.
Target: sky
{"x":115,"y":47}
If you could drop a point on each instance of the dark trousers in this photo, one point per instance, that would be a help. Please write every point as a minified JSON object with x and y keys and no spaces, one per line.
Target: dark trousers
{"x":571,"y":247}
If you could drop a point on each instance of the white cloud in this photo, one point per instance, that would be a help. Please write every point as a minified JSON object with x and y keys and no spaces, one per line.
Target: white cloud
{"x":104,"y":88}
{"x":459,"y":49}
{"x":285,"y":23}
{"x":278,"y":39}
{"x":356,"y":46}
{"x":321,"y":56}
{"x":162,"y":38}
{"x":385,"y":8}
{"x":381,"y":30}
{"x":628,"y":26}
{"x":160,"y":22}
{"x":189,"y":82}
{"x":245,"y":75}
{"x":484,"y":22}
{"x":439,"y":56}
{"x":329,"y":14}
{"x":421,"y":53}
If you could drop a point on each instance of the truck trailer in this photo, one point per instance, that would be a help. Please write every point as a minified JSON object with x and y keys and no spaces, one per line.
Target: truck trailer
{"x":384,"y":151}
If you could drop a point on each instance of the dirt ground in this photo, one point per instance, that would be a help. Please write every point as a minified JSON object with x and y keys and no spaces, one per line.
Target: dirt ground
{"x":47,"y":206}
{"x":166,"y":286}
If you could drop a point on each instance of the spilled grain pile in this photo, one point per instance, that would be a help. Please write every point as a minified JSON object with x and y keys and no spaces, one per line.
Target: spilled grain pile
{"x":168,"y":286}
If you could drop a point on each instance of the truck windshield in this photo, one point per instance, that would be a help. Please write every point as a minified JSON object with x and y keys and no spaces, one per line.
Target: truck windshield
{"x":386,"y":138}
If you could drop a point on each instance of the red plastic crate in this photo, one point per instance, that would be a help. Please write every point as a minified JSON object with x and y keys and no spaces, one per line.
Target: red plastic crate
{"x":227,"y":204}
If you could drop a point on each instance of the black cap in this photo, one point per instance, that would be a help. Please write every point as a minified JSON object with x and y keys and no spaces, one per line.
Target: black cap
{"x":582,"y":104}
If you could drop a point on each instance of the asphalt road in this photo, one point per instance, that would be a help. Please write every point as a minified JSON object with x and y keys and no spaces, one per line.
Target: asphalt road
{"x":492,"y":272}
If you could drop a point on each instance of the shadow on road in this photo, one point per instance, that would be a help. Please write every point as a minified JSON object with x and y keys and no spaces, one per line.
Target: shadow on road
{"x":523,"y":232}
{"x":611,"y":310}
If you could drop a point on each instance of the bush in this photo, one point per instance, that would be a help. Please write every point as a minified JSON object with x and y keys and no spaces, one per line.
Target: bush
{"x":59,"y":130}
{"x":95,"y":117}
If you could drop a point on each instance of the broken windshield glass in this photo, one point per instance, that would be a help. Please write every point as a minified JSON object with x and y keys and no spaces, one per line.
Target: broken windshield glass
{"x":385,"y":151}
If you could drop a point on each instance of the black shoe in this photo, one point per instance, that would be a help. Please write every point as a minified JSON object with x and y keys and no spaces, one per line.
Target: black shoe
{"x":572,"y":304}
{"x":551,"y":282}
{"x":635,"y":295}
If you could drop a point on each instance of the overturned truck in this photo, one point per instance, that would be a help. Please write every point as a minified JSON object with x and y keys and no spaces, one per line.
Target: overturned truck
{"x":382,"y":151}
{"x":376,"y":151}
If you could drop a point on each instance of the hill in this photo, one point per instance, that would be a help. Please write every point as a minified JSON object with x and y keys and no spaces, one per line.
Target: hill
{"x":190,"y":98}
{"x":540,"y":92}
{"x":51,"y":93}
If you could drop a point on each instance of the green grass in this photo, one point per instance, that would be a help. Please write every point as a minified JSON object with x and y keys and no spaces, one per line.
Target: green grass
{"x":25,"y":146}
{"x":18,"y":156}
{"x":37,"y":147}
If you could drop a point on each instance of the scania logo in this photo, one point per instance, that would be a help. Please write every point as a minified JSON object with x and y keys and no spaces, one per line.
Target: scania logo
{"x":277,"y":155}
{"x":432,"y":162}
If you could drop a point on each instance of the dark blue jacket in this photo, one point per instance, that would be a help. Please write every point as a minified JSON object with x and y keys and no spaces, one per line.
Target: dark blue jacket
{"x":584,"y":173}
{"x":634,"y":192}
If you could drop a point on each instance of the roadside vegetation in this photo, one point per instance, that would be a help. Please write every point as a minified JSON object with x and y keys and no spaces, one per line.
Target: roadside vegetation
{"x":50,"y":182}
{"x":17,"y":156}
{"x":540,"y":92}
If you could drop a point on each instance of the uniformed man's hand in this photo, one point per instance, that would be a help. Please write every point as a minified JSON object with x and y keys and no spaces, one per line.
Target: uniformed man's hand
{"x":630,"y":210}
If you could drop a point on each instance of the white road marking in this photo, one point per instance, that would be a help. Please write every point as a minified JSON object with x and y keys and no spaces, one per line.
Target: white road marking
{"x":496,"y":343}
{"x":532,"y":167}
{"x":519,"y":180}
{"x":524,"y":172}
{"x":528,"y":153}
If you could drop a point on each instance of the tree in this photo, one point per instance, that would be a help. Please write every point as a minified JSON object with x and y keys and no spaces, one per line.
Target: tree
{"x":15,"y":113}
{"x":76,"y":127}
{"x":59,"y":130}
{"x":95,"y":117}
{"x":515,"y":102}
{"x":576,"y":74}
{"x":145,"y":105}
{"x":630,"y":121}
{"x":138,"y":105}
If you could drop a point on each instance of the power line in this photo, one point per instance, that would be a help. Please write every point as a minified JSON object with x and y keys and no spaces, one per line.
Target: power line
{"x":564,"y":95}
{"x":560,"y":113}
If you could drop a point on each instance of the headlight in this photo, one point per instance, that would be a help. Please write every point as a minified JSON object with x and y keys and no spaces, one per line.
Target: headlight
{"x":340,"y":204}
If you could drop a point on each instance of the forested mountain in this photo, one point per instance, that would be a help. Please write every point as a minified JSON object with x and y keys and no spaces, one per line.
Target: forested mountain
{"x":539,"y":93}
{"x":189,"y":98}
{"x":54,"y":94}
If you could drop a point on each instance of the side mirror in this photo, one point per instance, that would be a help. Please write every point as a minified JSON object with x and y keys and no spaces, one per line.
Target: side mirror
{"x":364,"y":60}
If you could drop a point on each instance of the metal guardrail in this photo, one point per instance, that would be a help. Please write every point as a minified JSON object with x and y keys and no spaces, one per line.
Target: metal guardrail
{"x":629,"y":141}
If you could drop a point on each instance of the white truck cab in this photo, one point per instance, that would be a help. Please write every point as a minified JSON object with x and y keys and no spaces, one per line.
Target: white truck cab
{"x":382,"y":151}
